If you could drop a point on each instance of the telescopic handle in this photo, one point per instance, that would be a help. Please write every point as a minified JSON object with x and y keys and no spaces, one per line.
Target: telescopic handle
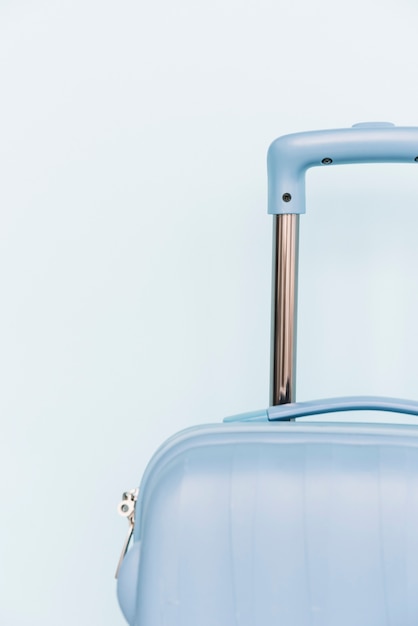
{"x":288,"y":159}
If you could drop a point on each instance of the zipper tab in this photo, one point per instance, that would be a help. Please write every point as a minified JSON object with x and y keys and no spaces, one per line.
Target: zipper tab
{"x":126,"y":508}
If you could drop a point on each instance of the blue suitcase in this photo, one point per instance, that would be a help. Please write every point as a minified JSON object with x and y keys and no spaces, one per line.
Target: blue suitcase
{"x":266,"y":520}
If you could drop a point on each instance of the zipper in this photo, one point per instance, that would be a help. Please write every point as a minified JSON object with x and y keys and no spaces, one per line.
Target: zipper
{"x":126,"y":508}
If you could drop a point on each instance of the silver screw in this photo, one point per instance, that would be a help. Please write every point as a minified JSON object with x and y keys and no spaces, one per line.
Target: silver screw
{"x":286,"y":197}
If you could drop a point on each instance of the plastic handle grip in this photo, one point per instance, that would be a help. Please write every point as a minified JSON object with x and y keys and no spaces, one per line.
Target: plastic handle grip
{"x":291,"y":155}
{"x":287,"y":412}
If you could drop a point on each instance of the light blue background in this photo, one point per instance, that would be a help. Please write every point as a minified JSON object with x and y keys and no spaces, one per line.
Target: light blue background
{"x":135,"y":250}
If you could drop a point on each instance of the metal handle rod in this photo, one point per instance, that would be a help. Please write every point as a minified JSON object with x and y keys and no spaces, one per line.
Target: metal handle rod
{"x":284,"y":309}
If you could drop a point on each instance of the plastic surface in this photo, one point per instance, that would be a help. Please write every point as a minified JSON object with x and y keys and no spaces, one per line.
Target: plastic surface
{"x":278,"y":523}
{"x":291,"y":155}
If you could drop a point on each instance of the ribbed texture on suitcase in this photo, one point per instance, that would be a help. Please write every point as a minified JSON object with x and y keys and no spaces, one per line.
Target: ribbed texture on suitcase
{"x":294,"y":526}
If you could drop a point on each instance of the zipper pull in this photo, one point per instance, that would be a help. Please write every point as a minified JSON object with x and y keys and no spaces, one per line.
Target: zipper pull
{"x":126,"y":508}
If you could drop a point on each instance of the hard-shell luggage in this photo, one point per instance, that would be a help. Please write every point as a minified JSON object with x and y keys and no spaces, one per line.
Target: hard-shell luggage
{"x":267,"y":520}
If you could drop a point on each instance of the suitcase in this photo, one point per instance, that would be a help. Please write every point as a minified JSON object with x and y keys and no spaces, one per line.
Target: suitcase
{"x":267,"y":520}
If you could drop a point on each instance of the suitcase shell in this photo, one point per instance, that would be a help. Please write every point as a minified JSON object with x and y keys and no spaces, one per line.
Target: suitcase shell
{"x":277,"y":523}
{"x":264,"y":520}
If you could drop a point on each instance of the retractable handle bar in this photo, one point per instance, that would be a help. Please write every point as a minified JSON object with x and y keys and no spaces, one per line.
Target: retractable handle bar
{"x":287,"y":161}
